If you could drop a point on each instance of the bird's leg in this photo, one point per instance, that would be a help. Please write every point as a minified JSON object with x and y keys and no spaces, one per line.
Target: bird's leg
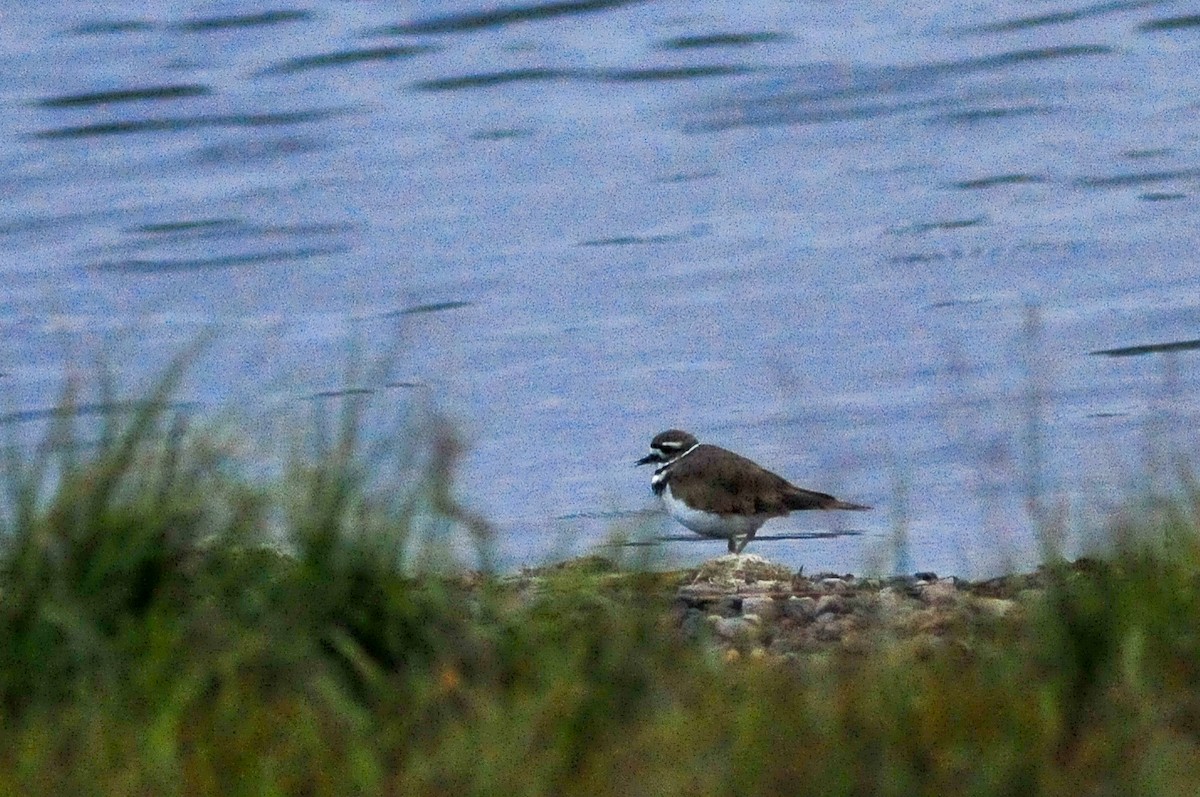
{"x":745,"y":541}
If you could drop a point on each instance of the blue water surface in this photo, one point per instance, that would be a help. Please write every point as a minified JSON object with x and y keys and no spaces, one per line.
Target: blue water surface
{"x":939,"y":258}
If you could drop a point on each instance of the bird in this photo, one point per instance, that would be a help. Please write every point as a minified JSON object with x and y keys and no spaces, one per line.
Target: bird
{"x":719,"y":494}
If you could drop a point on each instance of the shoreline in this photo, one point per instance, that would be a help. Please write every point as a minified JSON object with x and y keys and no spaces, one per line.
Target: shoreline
{"x":747,"y":605}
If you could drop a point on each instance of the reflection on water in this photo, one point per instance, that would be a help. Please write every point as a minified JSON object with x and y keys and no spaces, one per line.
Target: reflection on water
{"x":813,"y":232}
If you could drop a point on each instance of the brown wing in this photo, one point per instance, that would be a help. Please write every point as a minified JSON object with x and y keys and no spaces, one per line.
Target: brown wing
{"x":737,"y":484}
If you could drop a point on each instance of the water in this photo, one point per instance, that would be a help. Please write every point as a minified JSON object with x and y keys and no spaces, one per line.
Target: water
{"x":875,"y":246}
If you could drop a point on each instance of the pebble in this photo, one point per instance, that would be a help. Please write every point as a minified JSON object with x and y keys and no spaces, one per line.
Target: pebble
{"x":699,"y":594}
{"x":766,"y":608}
{"x":829,"y":627}
{"x":831,"y":604}
{"x":834,"y":585}
{"x":893,"y":604}
{"x":931,"y":620}
{"x":746,"y":606}
{"x":939,"y":593}
{"x":734,"y":570}
{"x":763,"y":588}
{"x":800,"y":608}
{"x":737,"y":629}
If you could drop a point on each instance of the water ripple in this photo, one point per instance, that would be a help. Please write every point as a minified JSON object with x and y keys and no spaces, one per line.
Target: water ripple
{"x":670,"y":73}
{"x":230,"y":152}
{"x":1171,"y":23}
{"x":975,"y":115}
{"x":343,"y":57}
{"x":101,"y":27}
{"x":1139,"y":178}
{"x":230,"y":229}
{"x":421,"y":309}
{"x":1150,"y":348}
{"x":488,"y":79}
{"x":531,"y":74}
{"x":998,"y":180}
{"x":722,"y":40}
{"x":1060,"y":17}
{"x":1000,"y":60}
{"x":498,"y":17}
{"x":207,"y":24}
{"x":163,"y":266}
{"x":635,"y":240}
{"x":190,"y":226}
{"x":816,"y":94}
{"x":178,"y":123}
{"x":949,"y":224}
{"x":124,"y":95}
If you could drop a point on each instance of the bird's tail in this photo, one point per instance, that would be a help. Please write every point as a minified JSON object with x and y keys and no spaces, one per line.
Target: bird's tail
{"x":800,"y":498}
{"x":836,"y":504}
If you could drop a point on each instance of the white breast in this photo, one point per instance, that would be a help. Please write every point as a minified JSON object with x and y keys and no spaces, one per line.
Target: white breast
{"x":710,"y":524}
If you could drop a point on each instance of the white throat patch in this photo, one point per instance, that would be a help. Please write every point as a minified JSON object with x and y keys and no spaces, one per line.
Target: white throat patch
{"x":660,"y":473}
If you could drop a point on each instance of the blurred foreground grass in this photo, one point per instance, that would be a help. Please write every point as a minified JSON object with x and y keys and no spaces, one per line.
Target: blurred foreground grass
{"x":168,"y":626}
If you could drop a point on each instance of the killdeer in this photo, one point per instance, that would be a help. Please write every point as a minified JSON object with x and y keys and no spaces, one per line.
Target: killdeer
{"x":720,"y":494}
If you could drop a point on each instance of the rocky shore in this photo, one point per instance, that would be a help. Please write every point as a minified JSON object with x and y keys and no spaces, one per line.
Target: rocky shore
{"x":746,"y":605}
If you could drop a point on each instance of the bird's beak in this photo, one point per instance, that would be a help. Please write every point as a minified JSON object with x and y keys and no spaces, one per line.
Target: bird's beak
{"x":646,"y":460}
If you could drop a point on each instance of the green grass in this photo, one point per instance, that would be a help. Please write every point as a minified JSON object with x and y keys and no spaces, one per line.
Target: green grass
{"x":170,"y":626}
